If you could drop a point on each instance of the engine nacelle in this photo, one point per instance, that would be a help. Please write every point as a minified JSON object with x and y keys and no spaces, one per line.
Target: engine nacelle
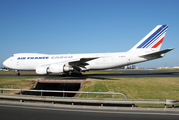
{"x":41,"y":70}
{"x":56,"y":68}
{"x":68,"y":68}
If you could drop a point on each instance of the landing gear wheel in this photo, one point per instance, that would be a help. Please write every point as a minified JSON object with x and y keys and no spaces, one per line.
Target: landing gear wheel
{"x":18,"y":74}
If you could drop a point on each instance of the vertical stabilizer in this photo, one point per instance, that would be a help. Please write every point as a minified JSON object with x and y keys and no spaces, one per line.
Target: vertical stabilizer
{"x":153,"y":40}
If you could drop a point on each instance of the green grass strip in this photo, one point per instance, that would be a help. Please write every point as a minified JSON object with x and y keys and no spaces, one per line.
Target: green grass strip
{"x":135,"y":88}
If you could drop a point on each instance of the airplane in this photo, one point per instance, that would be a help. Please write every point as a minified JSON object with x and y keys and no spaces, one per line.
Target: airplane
{"x":69,"y":64}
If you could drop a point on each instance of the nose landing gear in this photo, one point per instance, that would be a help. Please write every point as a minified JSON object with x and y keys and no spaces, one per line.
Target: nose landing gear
{"x":18,"y":74}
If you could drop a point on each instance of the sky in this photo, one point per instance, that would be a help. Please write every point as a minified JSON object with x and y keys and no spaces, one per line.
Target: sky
{"x":86,"y":26}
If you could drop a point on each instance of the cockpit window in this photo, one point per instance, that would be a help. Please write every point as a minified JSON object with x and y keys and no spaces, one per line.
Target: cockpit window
{"x":12,"y":55}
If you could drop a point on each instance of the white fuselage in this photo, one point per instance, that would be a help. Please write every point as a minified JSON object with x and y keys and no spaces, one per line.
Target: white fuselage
{"x":30,"y":61}
{"x":146,"y":49}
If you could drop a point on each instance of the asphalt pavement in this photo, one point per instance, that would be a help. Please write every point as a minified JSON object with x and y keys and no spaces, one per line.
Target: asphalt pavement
{"x":32,"y":112}
{"x":114,"y":73}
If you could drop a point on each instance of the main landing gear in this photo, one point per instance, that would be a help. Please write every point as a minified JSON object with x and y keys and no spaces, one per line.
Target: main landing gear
{"x":72,"y":74}
{"x":18,"y":74}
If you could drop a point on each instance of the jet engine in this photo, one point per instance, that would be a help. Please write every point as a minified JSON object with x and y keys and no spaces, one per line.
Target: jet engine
{"x":60,"y":68}
{"x":41,"y":70}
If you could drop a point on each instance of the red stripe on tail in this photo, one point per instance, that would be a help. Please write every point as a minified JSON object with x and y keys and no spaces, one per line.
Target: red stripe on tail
{"x":158,"y":43}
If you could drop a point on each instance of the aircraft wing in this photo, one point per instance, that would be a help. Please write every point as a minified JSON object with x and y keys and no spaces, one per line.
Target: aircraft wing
{"x":81,"y":61}
{"x":157,"y":54}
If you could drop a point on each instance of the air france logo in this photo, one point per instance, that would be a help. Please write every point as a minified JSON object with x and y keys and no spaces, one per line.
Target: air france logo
{"x":24,"y":58}
{"x":52,"y":57}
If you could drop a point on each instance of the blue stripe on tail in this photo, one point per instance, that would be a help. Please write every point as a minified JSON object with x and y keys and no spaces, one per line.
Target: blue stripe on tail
{"x":151,"y":39}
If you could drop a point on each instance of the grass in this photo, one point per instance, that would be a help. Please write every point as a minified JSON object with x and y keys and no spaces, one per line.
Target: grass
{"x":135,"y":88}
{"x":21,"y":72}
{"x":16,"y":83}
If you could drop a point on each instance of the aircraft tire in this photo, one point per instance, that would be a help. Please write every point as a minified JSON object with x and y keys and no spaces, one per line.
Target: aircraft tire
{"x":18,"y":74}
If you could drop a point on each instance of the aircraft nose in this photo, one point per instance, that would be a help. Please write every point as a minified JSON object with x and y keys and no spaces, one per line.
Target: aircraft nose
{"x":6,"y":63}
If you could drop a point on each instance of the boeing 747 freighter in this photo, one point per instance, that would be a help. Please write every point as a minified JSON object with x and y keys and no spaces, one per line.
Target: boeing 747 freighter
{"x":146,"y":49}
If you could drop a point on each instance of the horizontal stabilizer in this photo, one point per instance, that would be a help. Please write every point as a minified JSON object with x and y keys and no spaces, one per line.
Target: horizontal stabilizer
{"x":157,"y":54}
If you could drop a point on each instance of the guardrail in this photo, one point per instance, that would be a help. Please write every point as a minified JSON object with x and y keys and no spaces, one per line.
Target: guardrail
{"x":73,"y":100}
{"x":55,"y":91}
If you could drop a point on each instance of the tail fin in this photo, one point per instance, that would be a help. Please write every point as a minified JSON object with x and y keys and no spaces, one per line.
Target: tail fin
{"x":153,"y":40}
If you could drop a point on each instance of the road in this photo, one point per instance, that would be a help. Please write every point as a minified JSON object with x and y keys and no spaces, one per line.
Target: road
{"x":28,"y":112}
{"x":115,"y":73}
